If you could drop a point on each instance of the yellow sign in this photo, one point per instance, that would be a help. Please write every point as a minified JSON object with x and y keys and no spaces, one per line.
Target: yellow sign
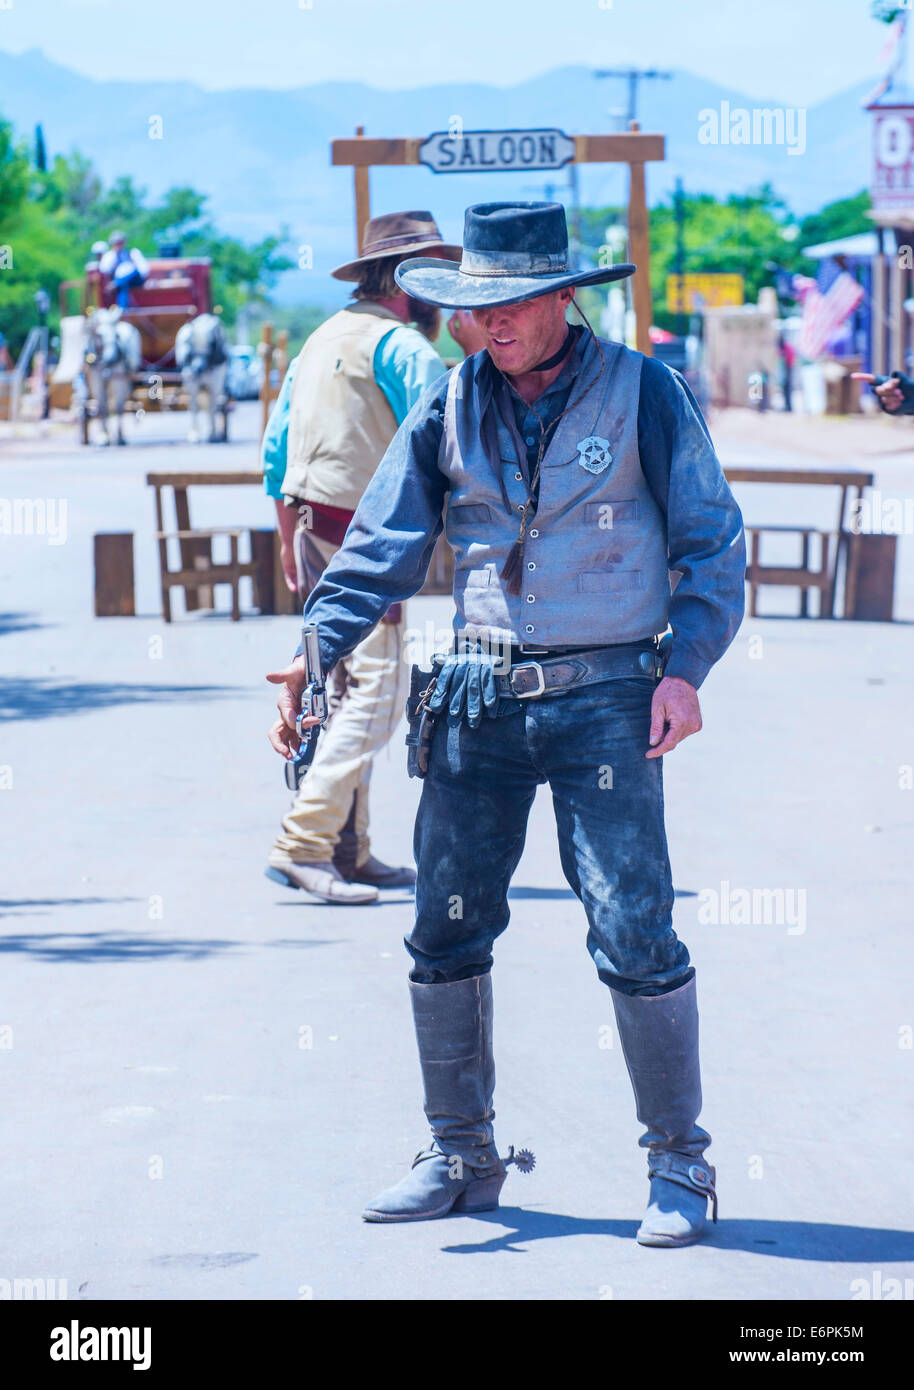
{"x":687,"y":294}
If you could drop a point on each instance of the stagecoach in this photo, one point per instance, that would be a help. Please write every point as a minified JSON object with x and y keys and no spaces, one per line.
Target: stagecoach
{"x":176,"y":290}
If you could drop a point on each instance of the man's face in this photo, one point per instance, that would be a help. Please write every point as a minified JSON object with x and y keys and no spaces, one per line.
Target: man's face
{"x":520,"y":335}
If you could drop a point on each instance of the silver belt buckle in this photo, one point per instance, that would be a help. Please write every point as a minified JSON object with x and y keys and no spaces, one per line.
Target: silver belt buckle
{"x":527,"y":666}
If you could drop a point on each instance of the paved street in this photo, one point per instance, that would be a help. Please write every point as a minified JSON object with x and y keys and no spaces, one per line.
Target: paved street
{"x":205,"y":1075}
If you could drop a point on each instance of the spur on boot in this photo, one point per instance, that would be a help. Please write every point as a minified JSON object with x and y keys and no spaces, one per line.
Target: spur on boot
{"x":439,"y":1183}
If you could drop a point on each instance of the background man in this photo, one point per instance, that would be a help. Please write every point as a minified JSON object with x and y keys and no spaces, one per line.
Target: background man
{"x":574,"y":479}
{"x":127,"y":268}
{"x":357,"y":377}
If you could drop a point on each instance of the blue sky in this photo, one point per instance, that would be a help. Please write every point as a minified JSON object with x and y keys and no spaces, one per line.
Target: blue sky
{"x":794,"y":51}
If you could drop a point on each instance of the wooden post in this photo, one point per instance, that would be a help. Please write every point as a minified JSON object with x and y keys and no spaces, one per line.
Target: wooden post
{"x":281,"y":356}
{"x":362,"y":198}
{"x":266,"y":357}
{"x":114,"y":597}
{"x":639,"y":250}
{"x":869,"y":581}
{"x":898,"y":315}
{"x":877,"y":309}
{"x":262,"y":560}
{"x":195,"y":554}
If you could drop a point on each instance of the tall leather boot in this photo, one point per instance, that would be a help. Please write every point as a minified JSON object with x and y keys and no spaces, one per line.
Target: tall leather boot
{"x":659,"y":1035}
{"x":460,"y":1170}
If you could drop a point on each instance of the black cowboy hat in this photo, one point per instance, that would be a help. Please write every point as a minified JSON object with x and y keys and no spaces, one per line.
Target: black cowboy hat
{"x":511,"y":252}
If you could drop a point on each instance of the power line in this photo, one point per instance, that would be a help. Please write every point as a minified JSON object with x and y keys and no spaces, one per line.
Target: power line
{"x":633,"y":76}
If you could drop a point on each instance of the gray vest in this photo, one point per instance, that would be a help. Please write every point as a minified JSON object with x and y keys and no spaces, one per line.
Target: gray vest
{"x":595,"y":568}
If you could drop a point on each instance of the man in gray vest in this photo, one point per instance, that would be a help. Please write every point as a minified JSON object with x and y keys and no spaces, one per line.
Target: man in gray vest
{"x":578,"y":487}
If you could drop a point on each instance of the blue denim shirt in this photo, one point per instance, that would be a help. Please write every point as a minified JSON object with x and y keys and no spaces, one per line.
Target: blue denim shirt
{"x":404,"y":364}
{"x":386,"y":553}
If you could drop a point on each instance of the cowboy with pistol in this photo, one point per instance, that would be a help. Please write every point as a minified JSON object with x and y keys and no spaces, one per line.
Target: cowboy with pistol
{"x":588,"y":515}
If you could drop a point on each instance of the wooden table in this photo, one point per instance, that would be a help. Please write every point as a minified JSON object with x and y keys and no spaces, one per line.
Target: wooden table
{"x":833,"y":543}
{"x":198,"y":572}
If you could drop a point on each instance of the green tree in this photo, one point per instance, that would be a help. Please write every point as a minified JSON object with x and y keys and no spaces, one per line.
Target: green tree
{"x":846,"y":217}
{"x":739,"y":235}
{"x":41,"y":154}
{"x":14,"y":178}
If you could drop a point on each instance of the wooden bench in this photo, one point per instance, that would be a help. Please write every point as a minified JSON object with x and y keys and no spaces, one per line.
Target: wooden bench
{"x":198,"y":572}
{"x":832,"y":546}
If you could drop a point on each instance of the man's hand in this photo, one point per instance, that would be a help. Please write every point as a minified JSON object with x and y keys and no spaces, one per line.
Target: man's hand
{"x":287,"y":557}
{"x":284,"y":735}
{"x":890,"y":394}
{"x":674,"y":715}
{"x":286,"y":521}
{"x":465,"y":332}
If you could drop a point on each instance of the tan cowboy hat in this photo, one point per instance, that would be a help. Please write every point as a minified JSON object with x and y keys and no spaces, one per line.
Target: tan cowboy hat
{"x":398,"y":234}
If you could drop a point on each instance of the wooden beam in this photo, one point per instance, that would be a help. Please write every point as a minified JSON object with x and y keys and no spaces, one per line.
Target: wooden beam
{"x":621,"y":148}
{"x":363,"y":151}
{"x":805,"y":476}
{"x":243,"y":477}
{"x":625,"y":147}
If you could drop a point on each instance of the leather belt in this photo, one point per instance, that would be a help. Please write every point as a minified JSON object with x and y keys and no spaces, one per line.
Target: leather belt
{"x":552,"y":676}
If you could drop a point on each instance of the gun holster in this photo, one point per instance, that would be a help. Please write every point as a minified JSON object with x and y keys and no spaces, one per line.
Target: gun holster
{"x":420,"y":719}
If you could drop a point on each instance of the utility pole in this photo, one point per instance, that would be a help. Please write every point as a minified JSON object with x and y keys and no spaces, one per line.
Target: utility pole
{"x":679,"y":262}
{"x":574,"y":237}
{"x":633,"y":76}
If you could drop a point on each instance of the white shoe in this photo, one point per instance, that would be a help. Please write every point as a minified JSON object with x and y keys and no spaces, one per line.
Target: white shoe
{"x":320,"y":880}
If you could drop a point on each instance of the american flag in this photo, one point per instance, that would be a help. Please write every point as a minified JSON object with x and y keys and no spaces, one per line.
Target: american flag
{"x":826,"y":304}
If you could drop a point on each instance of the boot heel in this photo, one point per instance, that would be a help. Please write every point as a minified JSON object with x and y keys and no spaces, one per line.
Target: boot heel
{"x":481,"y":1194}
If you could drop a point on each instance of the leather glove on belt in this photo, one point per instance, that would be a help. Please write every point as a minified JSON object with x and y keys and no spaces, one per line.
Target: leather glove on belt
{"x":555,"y":675}
{"x":466,"y":687}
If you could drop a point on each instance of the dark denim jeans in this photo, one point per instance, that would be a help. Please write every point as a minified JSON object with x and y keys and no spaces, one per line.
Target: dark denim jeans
{"x":589,"y":745}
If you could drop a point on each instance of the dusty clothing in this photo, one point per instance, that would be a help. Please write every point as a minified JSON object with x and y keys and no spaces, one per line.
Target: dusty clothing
{"x":367,"y":693}
{"x":595,"y":565}
{"x":340,"y":421}
{"x":389,"y":545}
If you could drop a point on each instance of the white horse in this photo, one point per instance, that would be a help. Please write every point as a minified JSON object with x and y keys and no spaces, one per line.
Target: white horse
{"x":113,"y":352}
{"x":202,"y":356}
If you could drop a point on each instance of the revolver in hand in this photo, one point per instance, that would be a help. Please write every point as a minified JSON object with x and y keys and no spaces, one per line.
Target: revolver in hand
{"x":313,"y":703}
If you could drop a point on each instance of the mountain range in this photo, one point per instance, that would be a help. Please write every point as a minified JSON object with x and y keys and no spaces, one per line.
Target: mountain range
{"x":262,"y":156}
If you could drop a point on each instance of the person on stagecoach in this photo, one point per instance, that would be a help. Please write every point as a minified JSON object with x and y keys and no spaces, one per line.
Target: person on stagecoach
{"x":126,"y":267}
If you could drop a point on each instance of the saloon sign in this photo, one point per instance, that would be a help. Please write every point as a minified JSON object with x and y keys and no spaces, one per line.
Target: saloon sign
{"x":475,"y":151}
{"x":893,"y":158}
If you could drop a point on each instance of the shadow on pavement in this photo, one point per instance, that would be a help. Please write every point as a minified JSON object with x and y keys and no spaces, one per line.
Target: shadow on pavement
{"x":45,"y":699}
{"x":92,"y":947}
{"x":18,"y":622}
{"x":786,"y":1240}
{"x":9,"y":905}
